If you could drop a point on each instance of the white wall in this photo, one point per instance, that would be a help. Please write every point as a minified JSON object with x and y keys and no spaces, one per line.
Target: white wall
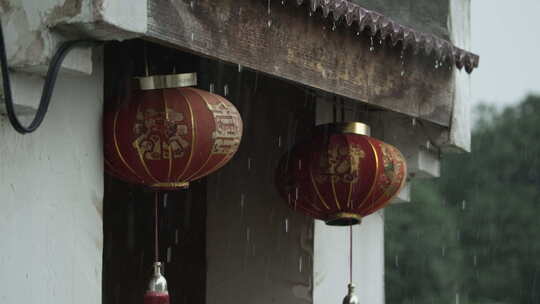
{"x":51,"y":191}
{"x":331,"y":261}
{"x":459,"y":24}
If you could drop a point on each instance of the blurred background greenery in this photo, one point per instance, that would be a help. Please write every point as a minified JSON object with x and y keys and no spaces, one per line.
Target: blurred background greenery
{"x":473,"y":235}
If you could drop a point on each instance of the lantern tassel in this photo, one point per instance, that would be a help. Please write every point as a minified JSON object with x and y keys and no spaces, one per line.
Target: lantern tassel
{"x":157,"y":292}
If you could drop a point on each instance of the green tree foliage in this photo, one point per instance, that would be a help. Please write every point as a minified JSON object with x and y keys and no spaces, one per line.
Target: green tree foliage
{"x":473,"y":236}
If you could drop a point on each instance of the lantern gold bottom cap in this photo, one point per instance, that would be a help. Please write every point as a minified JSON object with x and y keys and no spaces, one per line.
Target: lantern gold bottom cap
{"x":343,"y":219}
{"x":170,"y":186}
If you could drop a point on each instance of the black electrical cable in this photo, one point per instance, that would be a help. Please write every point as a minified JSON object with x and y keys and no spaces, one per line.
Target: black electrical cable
{"x":48,"y":86}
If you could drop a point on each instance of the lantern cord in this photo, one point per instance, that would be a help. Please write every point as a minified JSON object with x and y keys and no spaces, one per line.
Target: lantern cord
{"x":334,"y":111}
{"x":350,"y":253}
{"x":145,"y":51}
{"x":48,"y":87}
{"x":156,"y":228}
{"x":342,"y":111}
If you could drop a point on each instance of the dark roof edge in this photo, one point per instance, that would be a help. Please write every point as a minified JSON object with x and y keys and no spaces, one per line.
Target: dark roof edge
{"x":389,"y":29}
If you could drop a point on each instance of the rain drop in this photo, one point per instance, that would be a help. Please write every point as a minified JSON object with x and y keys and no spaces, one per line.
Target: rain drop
{"x":300,"y":262}
{"x":249,"y":163}
{"x":226,"y":90}
{"x":279,"y":142}
{"x":286,"y":225}
{"x":475,"y":260}
{"x":333,"y":27}
{"x":269,"y":23}
{"x":169,"y":254}
{"x":268,"y":10}
{"x":457,"y":298}
{"x":371,"y":46}
{"x":176,"y":236}
{"x":310,"y":14}
{"x":242,"y":203}
{"x":443,"y":251}
{"x":402,"y":62}
{"x":211,"y":89}
{"x":283,"y":2}
{"x":192,"y":36}
{"x":299,"y":164}
{"x":240,"y":68}
{"x":192,"y":4}
{"x":396,"y":261}
{"x":358,"y":33}
{"x":463,"y":205}
{"x":414,"y":121}
{"x":248,"y":233}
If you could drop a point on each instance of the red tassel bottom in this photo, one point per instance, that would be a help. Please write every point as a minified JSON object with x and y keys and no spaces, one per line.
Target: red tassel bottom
{"x":152,"y":297}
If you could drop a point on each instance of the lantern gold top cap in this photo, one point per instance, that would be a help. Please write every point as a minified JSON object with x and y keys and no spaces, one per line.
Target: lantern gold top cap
{"x":155,"y":82}
{"x":347,"y":127}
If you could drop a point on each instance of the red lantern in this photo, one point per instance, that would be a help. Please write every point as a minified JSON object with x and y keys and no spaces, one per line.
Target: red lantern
{"x":341,"y":175}
{"x":165,"y":138}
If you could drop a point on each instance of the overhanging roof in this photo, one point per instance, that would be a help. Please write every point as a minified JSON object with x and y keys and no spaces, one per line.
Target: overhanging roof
{"x":284,"y":42}
{"x":384,"y":27}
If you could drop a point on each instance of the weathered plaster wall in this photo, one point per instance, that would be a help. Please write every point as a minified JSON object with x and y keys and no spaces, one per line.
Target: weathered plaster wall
{"x":34,"y":29}
{"x":51,"y":190}
{"x":30,"y":44}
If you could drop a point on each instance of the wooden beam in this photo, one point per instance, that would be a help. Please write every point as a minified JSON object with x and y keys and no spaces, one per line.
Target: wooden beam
{"x":289,"y":44}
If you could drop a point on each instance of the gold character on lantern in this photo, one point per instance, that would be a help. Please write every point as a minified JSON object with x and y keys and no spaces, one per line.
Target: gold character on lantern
{"x":159,"y":135}
{"x":341,"y":163}
{"x":227,"y":134}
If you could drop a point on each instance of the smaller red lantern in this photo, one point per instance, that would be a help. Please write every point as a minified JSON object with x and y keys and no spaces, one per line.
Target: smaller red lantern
{"x":341,"y":175}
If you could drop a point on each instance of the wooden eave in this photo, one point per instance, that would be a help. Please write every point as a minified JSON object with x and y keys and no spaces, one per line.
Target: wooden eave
{"x":299,"y":44}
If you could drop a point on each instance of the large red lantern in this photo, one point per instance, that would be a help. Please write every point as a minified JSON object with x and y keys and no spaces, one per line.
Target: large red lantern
{"x":341,"y":175}
{"x":165,"y":138}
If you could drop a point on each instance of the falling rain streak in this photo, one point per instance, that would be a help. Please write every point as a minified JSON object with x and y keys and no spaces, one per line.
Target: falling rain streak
{"x":402,"y":62}
{"x":269,"y":12}
{"x":242,"y":203}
